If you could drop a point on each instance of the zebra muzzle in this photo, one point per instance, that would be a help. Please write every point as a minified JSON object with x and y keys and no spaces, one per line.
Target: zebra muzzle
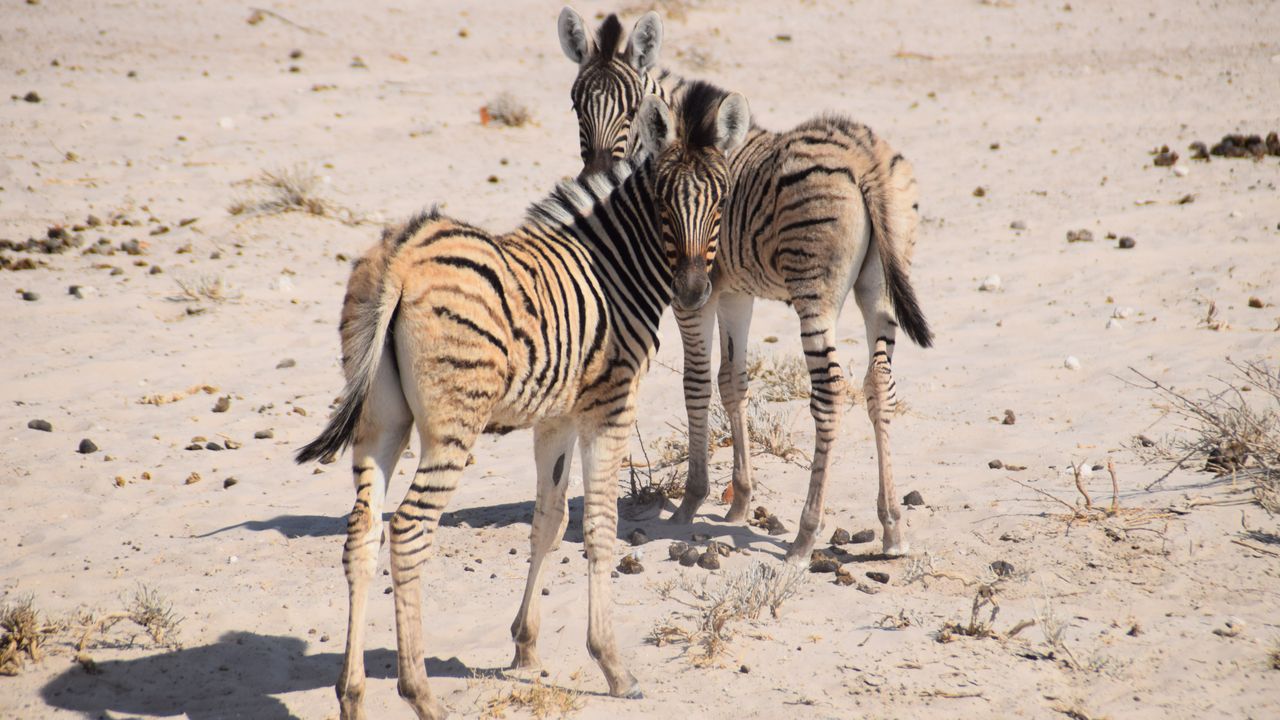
{"x":691,"y":285}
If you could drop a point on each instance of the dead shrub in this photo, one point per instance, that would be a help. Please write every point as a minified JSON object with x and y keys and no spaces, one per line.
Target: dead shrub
{"x":537,"y":699}
{"x":293,"y":189}
{"x":23,"y":634}
{"x":506,"y":110}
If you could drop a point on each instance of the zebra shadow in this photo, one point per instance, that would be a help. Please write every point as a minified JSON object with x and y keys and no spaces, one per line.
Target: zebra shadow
{"x":236,"y":677}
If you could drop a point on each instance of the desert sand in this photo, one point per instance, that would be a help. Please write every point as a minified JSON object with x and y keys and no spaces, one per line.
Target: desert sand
{"x":155,"y":117}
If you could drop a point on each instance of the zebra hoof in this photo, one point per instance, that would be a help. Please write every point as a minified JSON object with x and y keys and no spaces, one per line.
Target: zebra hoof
{"x":897,"y":550}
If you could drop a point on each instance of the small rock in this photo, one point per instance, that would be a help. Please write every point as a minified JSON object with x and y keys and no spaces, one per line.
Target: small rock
{"x":630,"y":566}
{"x":195,"y":446}
{"x":231,"y":444}
{"x":1181,"y":170}
{"x":324,"y":638}
{"x":30,"y":295}
{"x":690,"y":557}
{"x":229,"y":482}
{"x":862,"y":536}
{"x":677,"y":549}
{"x":638,"y":537}
{"x":546,"y":591}
{"x":775,"y":526}
{"x":1256,"y":302}
{"x":1014,"y":468}
{"x":990,"y":284}
{"x":1074,"y":236}
{"x":709,"y":560}
{"x":1126,"y":243}
{"x":840,"y":537}
{"x":995,"y":464}
{"x":211,"y":445}
{"x":32,"y":97}
{"x":1018,"y":225}
{"x":1198,"y":151}
{"x":192,"y":479}
{"x":1009,"y":418}
{"x":880,"y":577}
{"x":1114,"y":324}
{"x":1165,"y":157}
{"x":844,"y":577}
{"x":264,"y":434}
{"x":92,"y":220}
{"x":223,"y":404}
{"x":979,"y":191}
{"x":286,"y":363}
{"x":721,"y":548}
{"x":1231,"y":627}
{"x":120,"y":481}
{"x":1071,"y":363}
{"x":155,"y":270}
{"x":42,"y":425}
{"x":913,"y":498}
{"x":87,"y":446}
{"x":1121,"y":312}
{"x":1002,"y":568}
{"x":700,"y":537}
{"x":744,"y":669}
{"x":822,"y":561}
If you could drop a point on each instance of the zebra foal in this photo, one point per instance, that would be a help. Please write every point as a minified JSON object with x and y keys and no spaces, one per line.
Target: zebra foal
{"x":551,"y":326}
{"x":811,"y":214}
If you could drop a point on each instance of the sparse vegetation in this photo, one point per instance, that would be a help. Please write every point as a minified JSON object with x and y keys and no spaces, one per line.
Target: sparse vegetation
{"x":506,"y":110}
{"x":212,"y":288}
{"x":714,"y":607}
{"x":537,"y":699}
{"x":778,"y":378}
{"x":22,"y":636}
{"x":294,"y":189}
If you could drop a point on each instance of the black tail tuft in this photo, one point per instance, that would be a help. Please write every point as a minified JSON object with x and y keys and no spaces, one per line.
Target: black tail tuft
{"x":338,"y":434}
{"x":905,"y":306}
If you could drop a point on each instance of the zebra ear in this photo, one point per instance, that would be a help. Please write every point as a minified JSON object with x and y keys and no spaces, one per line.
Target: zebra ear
{"x":574,"y":38}
{"x":656,"y":128}
{"x":645,"y":42}
{"x":732,"y":122}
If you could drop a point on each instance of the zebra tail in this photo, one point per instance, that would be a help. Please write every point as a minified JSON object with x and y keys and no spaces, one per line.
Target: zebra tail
{"x":364,"y":341}
{"x":906,"y":308}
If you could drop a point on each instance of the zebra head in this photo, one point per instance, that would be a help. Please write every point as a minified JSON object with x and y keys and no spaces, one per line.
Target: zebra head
{"x":689,"y":153}
{"x":611,"y":82}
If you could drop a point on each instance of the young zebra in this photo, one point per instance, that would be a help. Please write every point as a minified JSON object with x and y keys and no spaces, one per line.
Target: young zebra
{"x":551,"y":326}
{"x":811,"y":214}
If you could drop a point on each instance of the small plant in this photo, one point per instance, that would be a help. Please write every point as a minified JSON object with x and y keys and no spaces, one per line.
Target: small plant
{"x":778,"y":378}
{"x":506,"y":110}
{"x":540,"y":701}
{"x":295,"y":189}
{"x":770,"y":431}
{"x":23,"y":633}
{"x":211,"y":288}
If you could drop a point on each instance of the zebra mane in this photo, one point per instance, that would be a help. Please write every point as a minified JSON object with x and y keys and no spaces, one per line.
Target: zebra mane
{"x":699,"y":107}
{"x":574,"y":198}
{"x":608,"y":37}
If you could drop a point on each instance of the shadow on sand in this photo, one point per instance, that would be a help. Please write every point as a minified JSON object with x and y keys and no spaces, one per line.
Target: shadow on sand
{"x":236,"y":677}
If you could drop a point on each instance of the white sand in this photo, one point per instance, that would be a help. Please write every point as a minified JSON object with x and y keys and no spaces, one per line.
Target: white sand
{"x":1075,"y":98}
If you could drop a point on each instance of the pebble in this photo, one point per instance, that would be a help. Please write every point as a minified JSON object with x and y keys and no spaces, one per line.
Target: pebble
{"x":1256,"y":302}
{"x":226,"y":123}
{"x":192,"y":479}
{"x":40,"y":425}
{"x":990,"y":284}
{"x":286,"y":363}
{"x":709,"y":560}
{"x":30,"y":295}
{"x":1114,"y":324}
{"x":913,"y":498}
{"x":1074,"y":236}
{"x":995,"y":464}
{"x":677,"y":549}
{"x":638,"y":537}
{"x":223,"y":404}
{"x":844,"y":577}
{"x":1122,"y":312}
{"x":630,"y":566}
{"x":155,"y":270}
{"x":1002,"y":568}
{"x":1181,"y":170}
{"x":822,"y":561}
{"x":700,"y":537}
{"x":862,"y":536}
{"x":264,"y":434}
{"x":1009,"y":418}
{"x":880,"y":577}
{"x":840,"y":537}
{"x":211,"y":445}
{"x":690,"y":557}
{"x":1126,"y":243}
{"x":229,"y":482}
{"x":546,"y":591}
{"x":32,"y":97}
{"x":1018,"y":225}
{"x":87,"y":446}
{"x":775,"y":526}
{"x":1071,"y":363}
{"x":719,"y":547}
{"x":744,"y":669}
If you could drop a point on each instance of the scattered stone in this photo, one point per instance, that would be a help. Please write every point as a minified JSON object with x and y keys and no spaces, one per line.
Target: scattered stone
{"x":823,"y":561}
{"x":120,"y":481}
{"x":192,"y":479}
{"x":775,"y":526}
{"x":630,"y":565}
{"x":1245,"y":146}
{"x":30,"y":295}
{"x":229,"y":482}
{"x":1181,"y":170}
{"x":1009,"y":418}
{"x":264,"y":434}
{"x":840,"y":537}
{"x":546,"y":591}
{"x":32,"y":97}
{"x":1198,"y":151}
{"x":979,"y":192}
{"x":1126,"y":243}
{"x":195,"y":446}
{"x":862,"y":536}
{"x":286,"y":363}
{"x":844,"y":577}
{"x":231,"y":444}
{"x":913,"y":498}
{"x":223,"y":404}
{"x":1018,"y":225}
{"x":1122,"y":312}
{"x":880,"y":577}
{"x":995,"y":464}
{"x":135,"y":247}
{"x":211,"y":445}
{"x":709,"y":560}
{"x":1014,"y":468}
{"x":1082,"y":235}
{"x":677,"y":549}
{"x":1164,"y":157}
{"x":1071,"y":362}
{"x":744,"y":669}
{"x":638,"y":537}
{"x":1256,"y":302}
{"x":721,"y":548}
{"x":990,"y":283}
{"x":700,"y":537}
{"x":92,"y":220}
{"x":87,"y":446}
{"x":1231,"y":627}
{"x":1002,"y":568}
{"x":42,"y":425}
{"x":155,"y":270}
{"x":690,"y":557}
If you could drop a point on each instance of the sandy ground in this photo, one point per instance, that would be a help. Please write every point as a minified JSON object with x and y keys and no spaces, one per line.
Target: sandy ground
{"x":159,"y":112}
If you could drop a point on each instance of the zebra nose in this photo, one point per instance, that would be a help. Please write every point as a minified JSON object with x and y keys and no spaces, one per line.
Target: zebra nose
{"x":691,"y":285}
{"x":597,"y":161}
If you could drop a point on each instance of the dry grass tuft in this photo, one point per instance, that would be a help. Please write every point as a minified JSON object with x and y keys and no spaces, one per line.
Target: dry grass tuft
{"x":166,"y":398}
{"x":770,"y":432}
{"x":295,"y":189}
{"x":778,"y":378}
{"x":506,"y":110}
{"x":212,"y":288}
{"x":538,"y":700}
{"x":1273,"y":657}
{"x":713,"y":608}
{"x":23,"y":634}
{"x":1234,"y":429}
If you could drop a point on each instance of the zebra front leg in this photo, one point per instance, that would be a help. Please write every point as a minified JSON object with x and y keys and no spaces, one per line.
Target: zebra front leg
{"x":445,"y":445}
{"x":604,"y":440}
{"x":383,"y":435}
{"x":826,"y":404}
{"x":696,"y":330}
{"x":734,"y":313}
{"x":553,"y":453}
{"x":881,"y":401}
